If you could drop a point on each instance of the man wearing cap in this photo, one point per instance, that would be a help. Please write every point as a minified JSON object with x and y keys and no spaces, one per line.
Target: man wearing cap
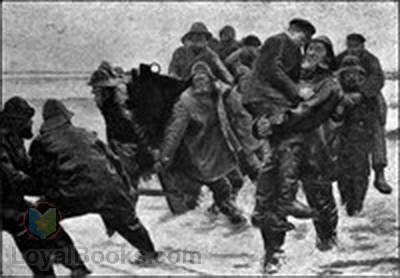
{"x":197,"y":50}
{"x":272,"y":92}
{"x":201,"y":124}
{"x":122,"y":132}
{"x":356,"y":137}
{"x":227,"y":42}
{"x":15,"y":127}
{"x":372,"y":89}
{"x":79,"y":174}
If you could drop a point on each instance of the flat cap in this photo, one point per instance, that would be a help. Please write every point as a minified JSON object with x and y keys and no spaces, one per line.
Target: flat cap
{"x":356,"y":37}
{"x":304,"y":25}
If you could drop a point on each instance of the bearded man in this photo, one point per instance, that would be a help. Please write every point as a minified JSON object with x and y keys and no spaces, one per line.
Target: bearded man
{"x":201,"y":124}
{"x":16,"y":181}
{"x":196,"y":49}
{"x":321,"y":95}
{"x":79,"y":174}
{"x":372,"y":89}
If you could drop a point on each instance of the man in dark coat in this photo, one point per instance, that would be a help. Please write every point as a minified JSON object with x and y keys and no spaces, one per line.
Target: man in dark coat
{"x":357,"y":136}
{"x":372,"y":89}
{"x":80,"y":174}
{"x":244,"y":56}
{"x":202,"y":126}
{"x":227,"y":43}
{"x":321,"y":94}
{"x":319,"y":87}
{"x":272,"y":91}
{"x":196,"y":50}
{"x":15,"y":126}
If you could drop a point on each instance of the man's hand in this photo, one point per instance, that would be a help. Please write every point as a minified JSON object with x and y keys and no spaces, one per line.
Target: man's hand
{"x":306,"y":93}
{"x":158,"y":167}
{"x":352,"y":99}
{"x":264,"y":128}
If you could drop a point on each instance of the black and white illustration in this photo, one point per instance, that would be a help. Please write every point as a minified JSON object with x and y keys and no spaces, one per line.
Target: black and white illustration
{"x":199,"y":138}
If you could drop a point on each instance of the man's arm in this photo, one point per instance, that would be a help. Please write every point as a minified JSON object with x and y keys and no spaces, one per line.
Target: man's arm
{"x":22,"y":183}
{"x":322,"y":94}
{"x":174,"y":133}
{"x":40,"y":169}
{"x":242,"y":123}
{"x":375,"y":79}
{"x":233,"y":58}
{"x":269,"y":66}
{"x":222,"y":72}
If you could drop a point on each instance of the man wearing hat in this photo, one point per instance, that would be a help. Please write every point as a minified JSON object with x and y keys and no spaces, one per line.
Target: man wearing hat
{"x":271,"y":93}
{"x":227,"y":42}
{"x":357,"y":138}
{"x":15,"y":127}
{"x":372,"y":88}
{"x":244,"y":56}
{"x":79,"y":174}
{"x":201,"y":124}
{"x":197,"y":50}
{"x":320,"y":95}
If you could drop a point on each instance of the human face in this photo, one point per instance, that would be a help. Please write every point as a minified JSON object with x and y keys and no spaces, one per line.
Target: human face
{"x":352,"y":79}
{"x":315,"y":54}
{"x":354,"y":47}
{"x":299,"y":37}
{"x":198,"y":41}
{"x":201,"y":83}
{"x":227,"y":36}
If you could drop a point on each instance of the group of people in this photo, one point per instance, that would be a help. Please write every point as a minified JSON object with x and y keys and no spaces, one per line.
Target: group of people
{"x":288,"y":113}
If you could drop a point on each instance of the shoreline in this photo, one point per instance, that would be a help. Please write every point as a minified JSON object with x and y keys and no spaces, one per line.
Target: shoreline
{"x":83,"y":75}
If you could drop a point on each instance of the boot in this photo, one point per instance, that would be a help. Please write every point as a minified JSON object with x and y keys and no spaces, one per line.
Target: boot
{"x":273,"y":221}
{"x":213,"y":209}
{"x":289,"y":205}
{"x":271,"y":264}
{"x":80,"y":272}
{"x":147,"y":259}
{"x":297,"y":209}
{"x":326,"y":244}
{"x":232,"y":212}
{"x":380,"y":182}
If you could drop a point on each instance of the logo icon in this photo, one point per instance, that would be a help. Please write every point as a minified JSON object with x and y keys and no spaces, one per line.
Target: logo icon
{"x":42,"y":221}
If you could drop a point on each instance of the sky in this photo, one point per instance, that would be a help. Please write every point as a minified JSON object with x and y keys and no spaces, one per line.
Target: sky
{"x":77,"y":36}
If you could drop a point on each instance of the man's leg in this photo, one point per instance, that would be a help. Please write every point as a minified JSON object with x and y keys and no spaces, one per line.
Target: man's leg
{"x":273,"y":226}
{"x":320,"y":197}
{"x":221,"y":190}
{"x":356,"y":176}
{"x":273,"y":242}
{"x":379,"y":157}
{"x":129,"y":226}
{"x":41,"y":266}
{"x":290,"y":156}
{"x":236,"y":179}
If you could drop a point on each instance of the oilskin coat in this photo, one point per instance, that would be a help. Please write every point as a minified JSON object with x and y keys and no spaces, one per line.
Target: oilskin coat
{"x":214,"y":129}
{"x":79,"y":173}
{"x":15,"y":164}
